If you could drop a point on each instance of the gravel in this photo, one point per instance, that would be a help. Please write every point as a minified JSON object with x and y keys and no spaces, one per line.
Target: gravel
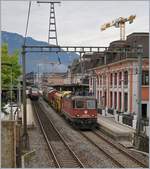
{"x":89,"y":155}
{"x":42,"y":157}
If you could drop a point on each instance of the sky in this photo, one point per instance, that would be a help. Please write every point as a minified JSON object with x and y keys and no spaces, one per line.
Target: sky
{"x":78,"y":22}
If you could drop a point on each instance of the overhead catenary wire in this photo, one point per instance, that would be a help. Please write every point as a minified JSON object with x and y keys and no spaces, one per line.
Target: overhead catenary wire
{"x":27,"y":24}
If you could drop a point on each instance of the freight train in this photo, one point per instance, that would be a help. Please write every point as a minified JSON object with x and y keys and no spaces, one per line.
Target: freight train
{"x":80,"y":111}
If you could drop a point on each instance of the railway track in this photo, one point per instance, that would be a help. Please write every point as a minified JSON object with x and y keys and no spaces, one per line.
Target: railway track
{"x":113,"y":151}
{"x":62,"y":154}
{"x":120,"y":148}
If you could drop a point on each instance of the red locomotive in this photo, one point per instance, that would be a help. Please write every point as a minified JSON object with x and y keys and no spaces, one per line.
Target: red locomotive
{"x":80,"y":111}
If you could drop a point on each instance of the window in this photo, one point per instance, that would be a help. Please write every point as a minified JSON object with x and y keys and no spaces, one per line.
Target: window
{"x":91,"y":104}
{"x":125,"y":102}
{"x":105,"y":98}
{"x":144,"y":110}
{"x":97,"y":80}
{"x":145,"y":77}
{"x":110,"y":99}
{"x":104,"y":80}
{"x":115,"y":79}
{"x":120,"y":99}
{"x":100,"y":80}
{"x":111,"y":79}
{"x":126,"y":78}
{"x":120,"y":78}
{"x":115,"y":100}
{"x":79,"y":104}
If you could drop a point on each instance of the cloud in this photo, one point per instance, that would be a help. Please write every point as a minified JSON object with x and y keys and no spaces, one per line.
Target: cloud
{"x":77,"y":22}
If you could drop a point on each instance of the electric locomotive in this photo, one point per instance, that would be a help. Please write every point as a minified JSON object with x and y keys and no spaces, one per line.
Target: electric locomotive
{"x":81,"y":111}
{"x":34,"y":93}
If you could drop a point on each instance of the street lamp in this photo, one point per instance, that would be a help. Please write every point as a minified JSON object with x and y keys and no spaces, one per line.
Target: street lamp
{"x":10,"y":65}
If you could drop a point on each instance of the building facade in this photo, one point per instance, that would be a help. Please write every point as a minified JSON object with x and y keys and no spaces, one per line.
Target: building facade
{"x":115,"y":82}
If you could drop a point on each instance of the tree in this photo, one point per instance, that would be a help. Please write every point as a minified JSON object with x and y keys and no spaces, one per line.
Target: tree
{"x":7,"y":70}
{"x":10,"y":67}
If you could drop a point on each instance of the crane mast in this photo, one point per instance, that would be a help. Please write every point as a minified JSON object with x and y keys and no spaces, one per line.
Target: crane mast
{"x":119,"y":23}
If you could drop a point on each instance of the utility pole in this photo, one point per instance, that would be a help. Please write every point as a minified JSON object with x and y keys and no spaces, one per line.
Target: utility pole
{"x":25,"y":136}
{"x":140,"y":54}
{"x":19,"y":93}
{"x":11,"y":110}
{"x":137,"y":139}
{"x":82,"y":68}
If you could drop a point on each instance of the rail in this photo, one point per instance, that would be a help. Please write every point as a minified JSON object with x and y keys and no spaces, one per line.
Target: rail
{"x":64,"y":157}
{"x":120,"y":148}
{"x":107,"y":147}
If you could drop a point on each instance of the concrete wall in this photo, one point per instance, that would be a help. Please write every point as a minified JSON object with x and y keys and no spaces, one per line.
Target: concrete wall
{"x":8,"y":144}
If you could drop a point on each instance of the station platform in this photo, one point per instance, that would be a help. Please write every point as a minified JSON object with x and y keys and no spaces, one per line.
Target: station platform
{"x":38,"y":154}
{"x":30,"y":117}
{"x":119,"y":132}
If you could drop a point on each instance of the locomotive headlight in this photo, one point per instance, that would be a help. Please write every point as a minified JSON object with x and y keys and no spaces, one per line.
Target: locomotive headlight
{"x":78,"y":115}
{"x":85,"y":112}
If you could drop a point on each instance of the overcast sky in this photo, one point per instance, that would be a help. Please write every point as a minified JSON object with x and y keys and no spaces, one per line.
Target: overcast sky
{"x":78,"y":22}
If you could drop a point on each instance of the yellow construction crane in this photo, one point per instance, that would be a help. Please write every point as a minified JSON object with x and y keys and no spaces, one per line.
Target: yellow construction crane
{"x":119,"y":23}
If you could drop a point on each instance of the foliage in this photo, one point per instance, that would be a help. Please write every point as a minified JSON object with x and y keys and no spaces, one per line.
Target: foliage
{"x":9,"y":72}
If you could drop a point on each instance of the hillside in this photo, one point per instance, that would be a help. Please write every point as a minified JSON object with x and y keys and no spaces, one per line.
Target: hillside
{"x":15,"y":41}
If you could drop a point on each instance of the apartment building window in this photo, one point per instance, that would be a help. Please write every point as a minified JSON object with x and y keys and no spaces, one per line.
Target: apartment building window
{"x":144,"y":110}
{"x":97,"y":80}
{"x":125,"y":102}
{"x":115,"y":100}
{"x":145,"y":77}
{"x":120,"y":78}
{"x":120,"y":99}
{"x":110,"y":99}
{"x":111,"y":79}
{"x":115,"y":79}
{"x":100,"y":80}
{"x":105,"y":98}
{"x":126,"y":78}
{"x":104,"y":80}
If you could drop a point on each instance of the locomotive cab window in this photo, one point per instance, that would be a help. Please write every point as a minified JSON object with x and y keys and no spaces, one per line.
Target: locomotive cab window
{"x":79,"y":104}
{"x":91,"y":104}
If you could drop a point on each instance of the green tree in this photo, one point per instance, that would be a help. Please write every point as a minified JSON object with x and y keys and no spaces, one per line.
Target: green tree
{"x":7,"y":70}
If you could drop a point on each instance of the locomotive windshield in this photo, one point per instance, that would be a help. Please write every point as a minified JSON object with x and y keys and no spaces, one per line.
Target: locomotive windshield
{"x":91,"y":104}
{"x":34,"y":90}
{"x":79,"y":104}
